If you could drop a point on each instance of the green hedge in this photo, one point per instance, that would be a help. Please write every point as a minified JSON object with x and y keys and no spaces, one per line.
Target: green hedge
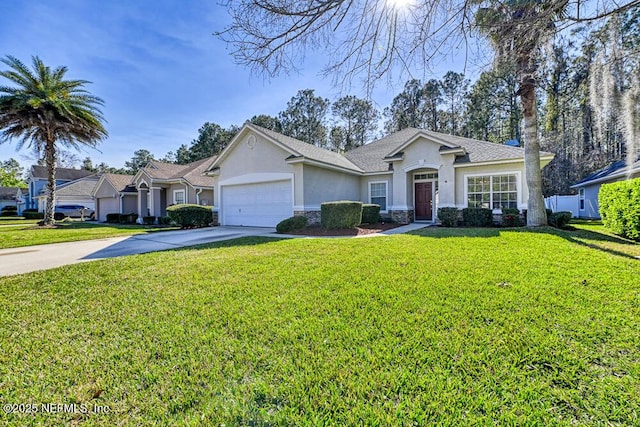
{"x":113,"y":218}
{"x":164,"y":220}
{"x":448,"y":217}
{"x":559,"y":219}
{"x":148,"y":220}
{"x":620,"y":207}
{"x":189,"y":216}
{"x":32,"y":214}
{"x":370,"y":213}
{"x":341,"y":214}
{"x":477,"y":217}
{"x":297,"y":222}
{"x":511,"y":217}
{"x":129,"y":218}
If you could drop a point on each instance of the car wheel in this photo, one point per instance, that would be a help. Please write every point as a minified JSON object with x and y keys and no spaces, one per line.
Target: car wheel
{"x":58,"y":216}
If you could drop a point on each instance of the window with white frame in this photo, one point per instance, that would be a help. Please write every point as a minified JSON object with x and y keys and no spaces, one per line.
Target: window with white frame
{"x":581,"y":193}
{"x":378,"y":194}
{"x":178,"y":197}
{"x":492,"y":191}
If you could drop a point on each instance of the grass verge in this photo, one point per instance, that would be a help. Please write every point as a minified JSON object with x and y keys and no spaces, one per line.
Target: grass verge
{"x":446,"y":326}
{"x":66,"y":231}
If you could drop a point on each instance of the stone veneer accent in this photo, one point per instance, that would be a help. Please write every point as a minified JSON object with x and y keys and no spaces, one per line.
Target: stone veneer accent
{"x":402,"y":217}
{"x":313,"y":217}
{"x":216,"y":220}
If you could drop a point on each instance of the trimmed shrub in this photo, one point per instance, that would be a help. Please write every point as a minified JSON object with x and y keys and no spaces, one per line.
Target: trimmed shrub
{"x":148,"y":220}
{"x":129,"y":218}
{"x":448,"y":217}
{"x":370,"y":213}
{"x":559,"y":219}
{"x":189,"y":216}
{"x":620,"y":207}
{"x":477,"y":217}
{"x":164,"y":220}
{"x":341,"y":214}
{"x":113,"y":218}
{"x":297,"y":222}
{"x":9,"y":211}
{"x":32,"y":214}
{"x":511,"y":217}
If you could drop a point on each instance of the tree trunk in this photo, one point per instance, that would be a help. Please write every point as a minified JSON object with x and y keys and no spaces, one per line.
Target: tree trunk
{"x":536,"y":212}
{"x":50,"y":163}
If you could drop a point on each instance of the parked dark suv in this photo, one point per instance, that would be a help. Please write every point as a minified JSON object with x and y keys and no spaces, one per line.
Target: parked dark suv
{"x":73,"y":211}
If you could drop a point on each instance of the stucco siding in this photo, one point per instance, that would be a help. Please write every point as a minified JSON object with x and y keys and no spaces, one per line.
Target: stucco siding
{"x":322,"y":185}
{"x":257,"y":160}
{"x":364,"y":187}
{"x":461,"y":173}
{"x":130,"y":203}
{"x":105,"y":189}
{"x":206,"y":197}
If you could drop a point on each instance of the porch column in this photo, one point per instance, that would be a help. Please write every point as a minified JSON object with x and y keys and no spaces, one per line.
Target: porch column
{"x":142,"y":202}
{"x":156,"y":206}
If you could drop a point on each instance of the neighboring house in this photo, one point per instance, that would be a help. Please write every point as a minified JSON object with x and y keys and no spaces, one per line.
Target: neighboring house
{"x":154,"y":188}
{"x":263,"y":177}
{"x":115,"y":193}
{"x":37,"y":181}
{"x":589,"y":187}
{"x":12,"y":196}
{"x":78,"y":192}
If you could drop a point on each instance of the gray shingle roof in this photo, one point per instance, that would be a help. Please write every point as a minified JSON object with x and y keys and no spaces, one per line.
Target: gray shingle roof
{"x":80,"y":187}
{"x":8,"y":193}
{"x":370,"y":157}
{"x":191,"y":172}
{"x":307,"y":150}
{"x":613,"y":170}
{"x":68,"y":174}
{"x":118,"y":181}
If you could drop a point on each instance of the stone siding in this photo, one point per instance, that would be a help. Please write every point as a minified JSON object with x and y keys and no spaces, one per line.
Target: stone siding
{"x":313,"y":217}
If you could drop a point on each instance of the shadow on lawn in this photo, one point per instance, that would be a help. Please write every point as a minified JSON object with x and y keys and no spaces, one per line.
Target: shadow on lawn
{"x":573,"y":235}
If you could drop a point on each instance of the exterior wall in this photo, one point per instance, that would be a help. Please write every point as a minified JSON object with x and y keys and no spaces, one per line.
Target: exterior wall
{"x":591,"y":205}
{"x":253,"y":161}
{"x":104,"y":190}
{"x":494,"y":169}
{"x":322,"y":185}
{"x":364,"y":188}
{"x":189,"y":194}
{"x":206,"y":197}
{"x":130,"y":203}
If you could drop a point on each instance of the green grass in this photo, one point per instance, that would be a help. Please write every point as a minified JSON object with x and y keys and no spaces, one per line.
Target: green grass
{"x":446,"y":326}
{"x":66,"y":231}
{"x":13,"y":220}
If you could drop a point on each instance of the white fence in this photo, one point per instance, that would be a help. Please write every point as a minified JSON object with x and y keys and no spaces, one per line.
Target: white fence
{"x":564,"y":203}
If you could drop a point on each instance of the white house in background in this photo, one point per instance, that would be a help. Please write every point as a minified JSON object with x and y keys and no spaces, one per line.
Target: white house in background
{"x":263,"y":177}
{"x":78,"y":192}
{"x":589,"y":187}
{"x":37,"y":180}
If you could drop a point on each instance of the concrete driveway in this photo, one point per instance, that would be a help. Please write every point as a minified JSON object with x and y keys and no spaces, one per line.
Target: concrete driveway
{"x":42,"y":257}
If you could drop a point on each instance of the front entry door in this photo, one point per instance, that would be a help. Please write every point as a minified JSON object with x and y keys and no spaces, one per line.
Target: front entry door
{"x":424,"y":201}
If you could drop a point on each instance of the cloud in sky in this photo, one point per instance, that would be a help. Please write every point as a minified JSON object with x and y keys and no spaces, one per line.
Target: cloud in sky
{"x":157,"y":66}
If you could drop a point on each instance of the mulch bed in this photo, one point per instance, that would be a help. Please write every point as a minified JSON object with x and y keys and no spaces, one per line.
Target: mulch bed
{"x":358,"y":231}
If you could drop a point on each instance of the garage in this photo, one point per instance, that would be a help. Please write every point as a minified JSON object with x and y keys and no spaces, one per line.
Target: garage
{"x":107,"y":205}
{"x":262,"y":204}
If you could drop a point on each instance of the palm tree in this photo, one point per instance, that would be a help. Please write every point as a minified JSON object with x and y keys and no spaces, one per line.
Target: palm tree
{"x":43,"y":110}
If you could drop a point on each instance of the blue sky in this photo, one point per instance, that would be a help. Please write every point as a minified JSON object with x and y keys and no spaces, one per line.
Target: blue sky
{"x":157,"y":66}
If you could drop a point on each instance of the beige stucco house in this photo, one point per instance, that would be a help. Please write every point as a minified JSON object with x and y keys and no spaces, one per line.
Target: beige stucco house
{"x":155,"y":187}
{"x":263,"y":177}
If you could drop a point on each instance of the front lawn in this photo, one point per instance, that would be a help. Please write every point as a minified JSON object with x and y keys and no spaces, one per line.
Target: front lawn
{"x":65,"y":231}
{"x":447,"y":327}
{"x":13,"y":220}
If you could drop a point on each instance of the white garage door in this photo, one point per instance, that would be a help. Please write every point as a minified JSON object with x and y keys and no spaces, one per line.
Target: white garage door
{"x":259,"y":205}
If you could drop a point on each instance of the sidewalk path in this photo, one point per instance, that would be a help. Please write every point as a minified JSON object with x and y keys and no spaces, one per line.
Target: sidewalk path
{"x":42,"y":257}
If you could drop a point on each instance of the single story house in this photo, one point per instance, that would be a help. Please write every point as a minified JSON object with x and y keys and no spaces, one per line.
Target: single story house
{"x":78,"y":192}
{"x":115,"y":193}
{"x":263,"y":177}
{"x":153,"y":188}
{"x":12,"y":196}
{"x":589,"y":187}
{"x":38,"y":177}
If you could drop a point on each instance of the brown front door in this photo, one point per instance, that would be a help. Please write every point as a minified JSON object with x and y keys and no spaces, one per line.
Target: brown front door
{"x":424,"y":201}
